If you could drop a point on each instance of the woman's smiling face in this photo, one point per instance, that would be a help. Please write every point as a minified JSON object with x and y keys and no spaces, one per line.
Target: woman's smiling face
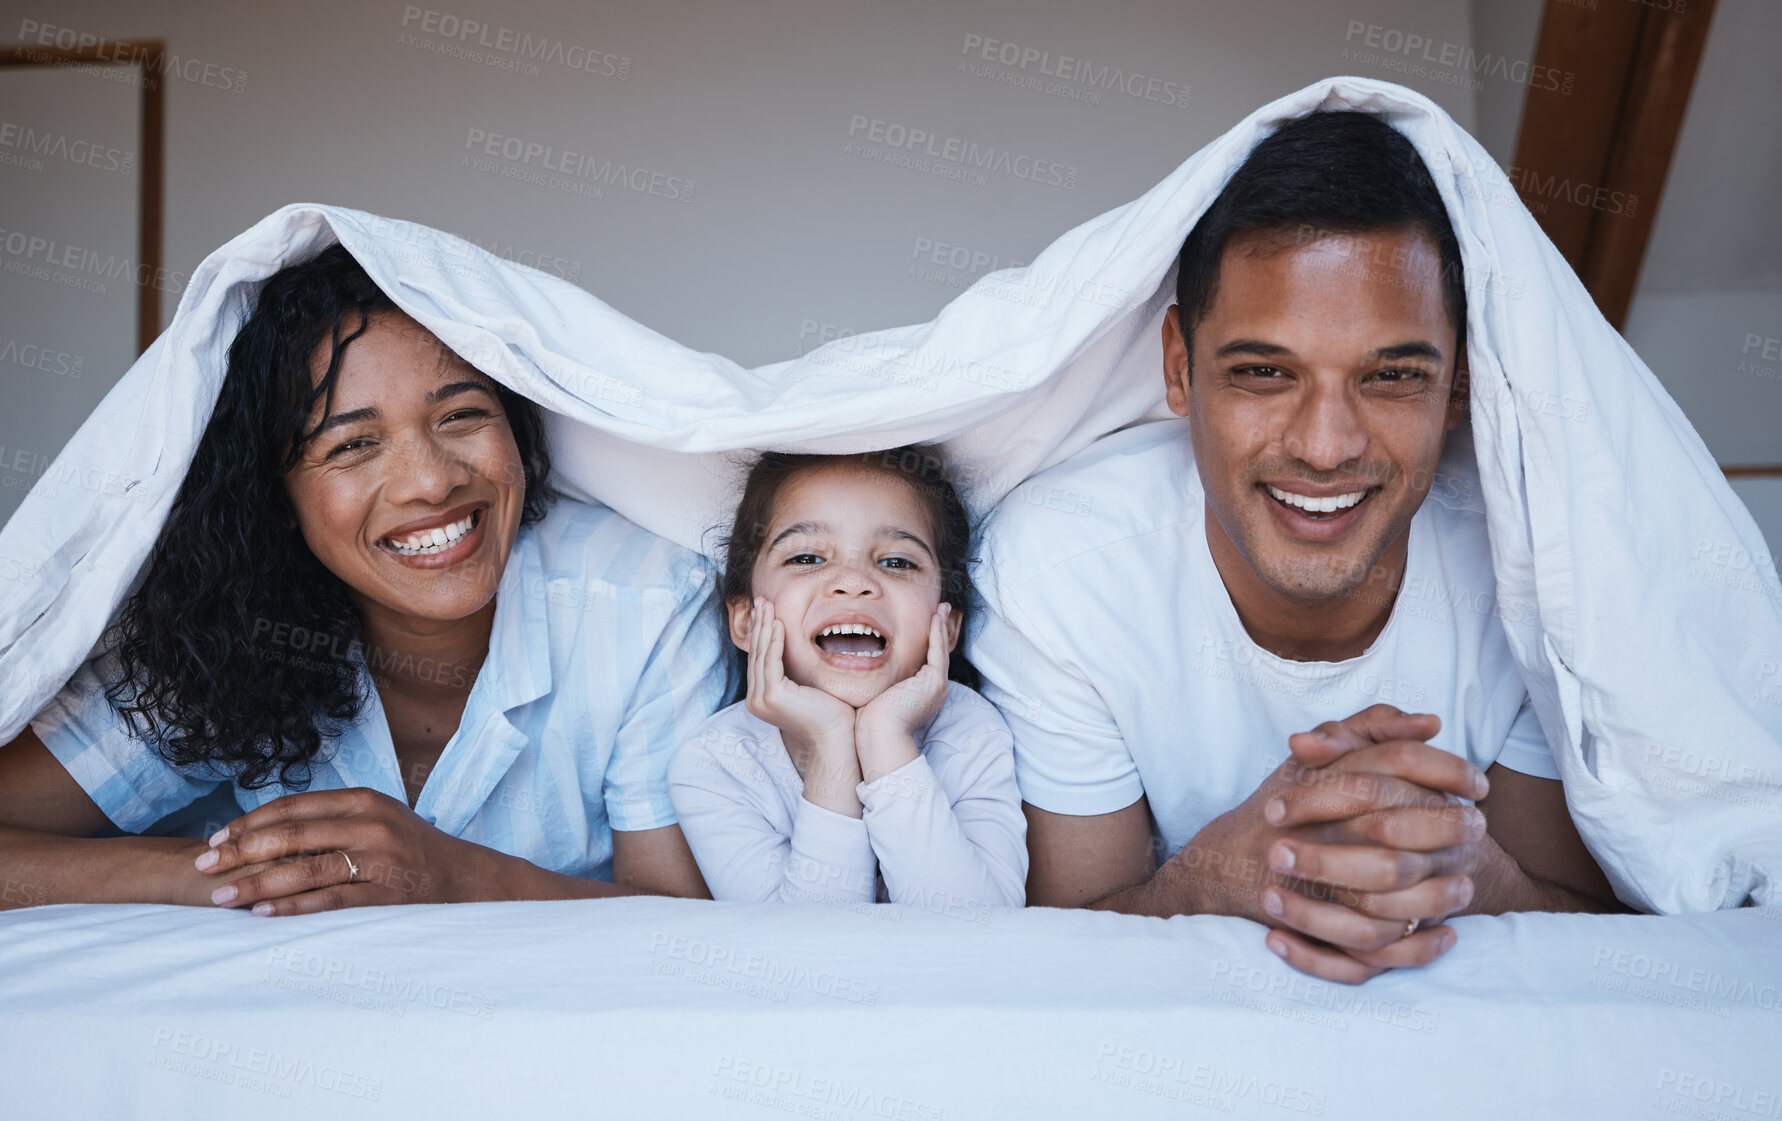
{"x":412,"y":490}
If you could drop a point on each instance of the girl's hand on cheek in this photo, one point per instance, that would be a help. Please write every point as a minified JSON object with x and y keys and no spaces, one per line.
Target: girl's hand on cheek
{"x":893,"y":716}
{"x":818,"y":729}
{"x":810,"y":716}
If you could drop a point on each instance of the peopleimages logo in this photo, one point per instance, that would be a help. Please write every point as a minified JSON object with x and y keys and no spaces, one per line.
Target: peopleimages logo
{"x":779,"y":974}
{"x":1345,"y":1000}
{"x":48,"y":259}
{"x":25,"y":139}
{"x":534,"y":155}
{"x":803,"y":1094}
{"x":108,"y":51}
{"x":1173,"y":1076}
{"x":1656,"y":971}
{"x":34,"y":357}
{"x":519,"y":45}
{"x":1030,"y":67}
{"x":220,"y":1060}
{"x":1532,"y":184}
{"x":380,"y":982}
{"x":963,"y":154}
{"x":1453,"y":59}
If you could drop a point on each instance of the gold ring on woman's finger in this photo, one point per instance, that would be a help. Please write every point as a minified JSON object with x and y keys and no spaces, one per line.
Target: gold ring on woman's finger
{"x":1411,"y":928}
{"x":353,"y":869}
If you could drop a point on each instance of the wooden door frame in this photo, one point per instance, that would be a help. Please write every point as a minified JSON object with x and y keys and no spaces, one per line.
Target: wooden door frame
{"x":1593,"y":150}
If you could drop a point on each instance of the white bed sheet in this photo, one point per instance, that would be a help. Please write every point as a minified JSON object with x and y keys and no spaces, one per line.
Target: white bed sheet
{"x":668,"y":1008}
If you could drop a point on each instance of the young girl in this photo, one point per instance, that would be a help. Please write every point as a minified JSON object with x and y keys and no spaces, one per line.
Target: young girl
{"x":853,"y":769}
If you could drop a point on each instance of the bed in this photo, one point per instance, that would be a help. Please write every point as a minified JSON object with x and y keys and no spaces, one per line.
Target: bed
{"x":671,"y":1008}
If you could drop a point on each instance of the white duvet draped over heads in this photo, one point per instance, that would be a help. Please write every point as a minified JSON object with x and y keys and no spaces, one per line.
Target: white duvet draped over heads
{"x":1637,"y":593}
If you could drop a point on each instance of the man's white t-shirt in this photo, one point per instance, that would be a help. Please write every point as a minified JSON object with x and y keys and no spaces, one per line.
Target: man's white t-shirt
{"x":1113,"y":650}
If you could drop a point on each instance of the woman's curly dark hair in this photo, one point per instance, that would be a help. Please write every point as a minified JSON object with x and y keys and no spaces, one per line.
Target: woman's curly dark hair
{"x":927,"y":471}
{"x":239,"y":651}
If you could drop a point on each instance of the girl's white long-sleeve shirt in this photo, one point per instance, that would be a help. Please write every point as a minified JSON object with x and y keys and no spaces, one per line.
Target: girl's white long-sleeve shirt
{"x":944,"y":832}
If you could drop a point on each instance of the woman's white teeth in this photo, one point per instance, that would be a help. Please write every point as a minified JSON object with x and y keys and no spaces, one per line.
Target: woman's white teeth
{"x":432,"y":540}
{"x":1328,"y":505}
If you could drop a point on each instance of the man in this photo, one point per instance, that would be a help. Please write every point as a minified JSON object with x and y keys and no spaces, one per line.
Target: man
{"x":1273,"y":565}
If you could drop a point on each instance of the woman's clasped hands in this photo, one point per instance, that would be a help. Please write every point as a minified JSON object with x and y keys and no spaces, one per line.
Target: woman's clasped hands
{"x":326,"y":849}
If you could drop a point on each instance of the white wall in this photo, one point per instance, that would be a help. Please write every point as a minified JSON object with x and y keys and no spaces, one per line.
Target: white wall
{"x":68,"y":147}
{"x":784,"y":236}
{"x":1506,"y":29}
{"x":1707,"y":316}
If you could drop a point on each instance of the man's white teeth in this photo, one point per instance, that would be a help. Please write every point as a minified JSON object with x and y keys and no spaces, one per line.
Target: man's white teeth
{"x":1329,"y":505}
{"x":849,"y":628}
{"x":432,"y":540}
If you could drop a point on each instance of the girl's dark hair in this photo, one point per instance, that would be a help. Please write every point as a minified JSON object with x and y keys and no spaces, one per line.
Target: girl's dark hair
{"x":923,"y":467}
{"x":1325,"y":173}
{"x":239,"y":651}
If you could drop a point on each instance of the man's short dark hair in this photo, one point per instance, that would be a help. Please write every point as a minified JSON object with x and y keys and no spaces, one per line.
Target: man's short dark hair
{"x":1326,"y":173}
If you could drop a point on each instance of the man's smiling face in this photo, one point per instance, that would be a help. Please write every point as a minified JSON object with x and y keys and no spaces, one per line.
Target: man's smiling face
{"x":1319,"y":401}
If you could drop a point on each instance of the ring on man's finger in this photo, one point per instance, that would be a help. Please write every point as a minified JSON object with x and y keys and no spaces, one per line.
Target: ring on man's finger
{"x":1411,"y":928}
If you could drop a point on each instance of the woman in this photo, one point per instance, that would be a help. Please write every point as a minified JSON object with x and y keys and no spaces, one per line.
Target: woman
{"x":369,"y":623}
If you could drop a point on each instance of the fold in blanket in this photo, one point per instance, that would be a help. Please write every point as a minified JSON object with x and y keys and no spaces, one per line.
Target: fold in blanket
{"x":1636,"y":591}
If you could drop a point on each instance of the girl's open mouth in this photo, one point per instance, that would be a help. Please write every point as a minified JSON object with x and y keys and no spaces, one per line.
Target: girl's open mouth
{"x":850,"y":644}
